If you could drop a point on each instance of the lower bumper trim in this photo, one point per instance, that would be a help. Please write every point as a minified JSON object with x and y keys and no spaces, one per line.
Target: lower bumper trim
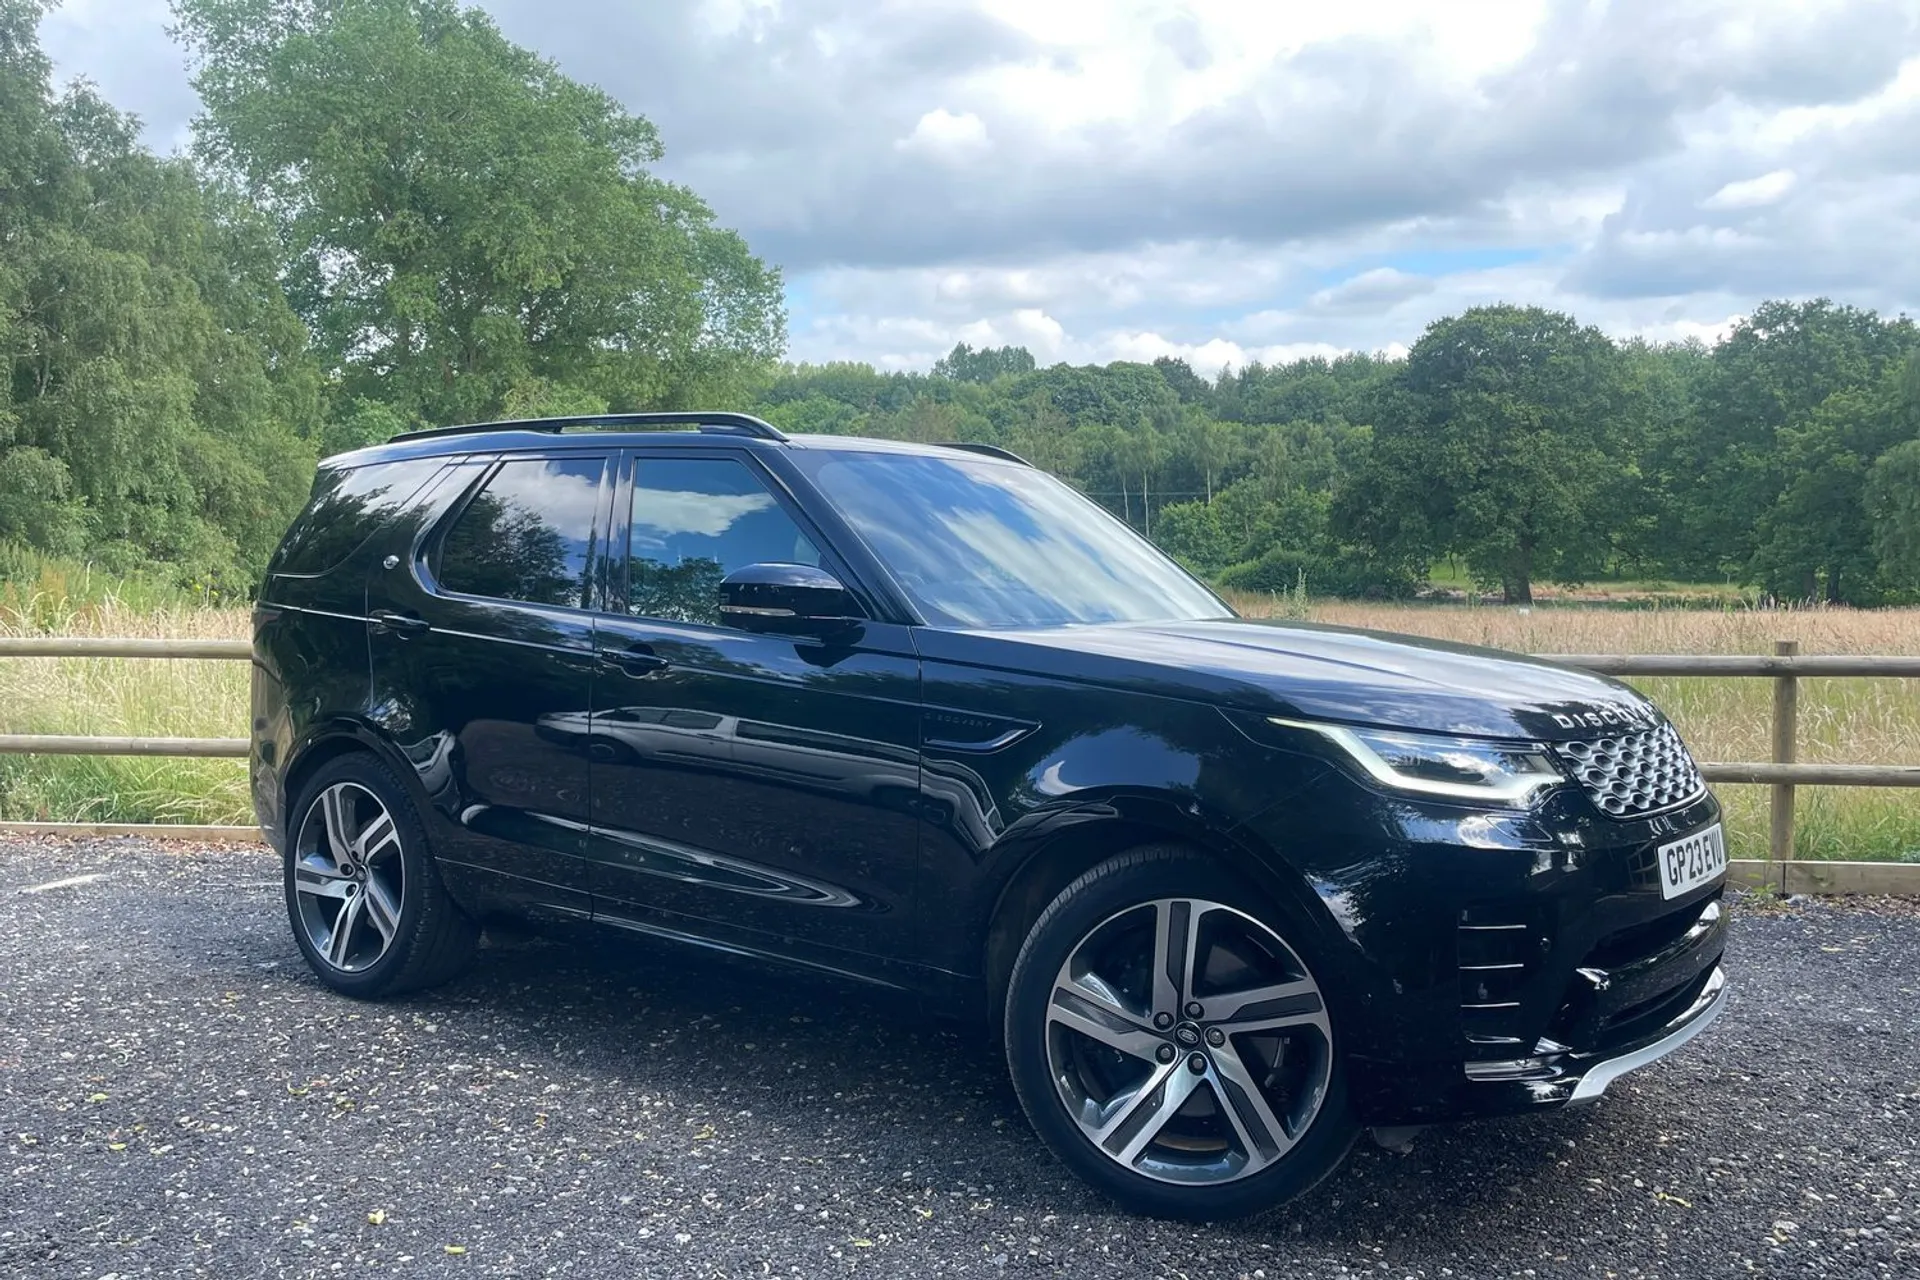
{"x":1596,"y":1078}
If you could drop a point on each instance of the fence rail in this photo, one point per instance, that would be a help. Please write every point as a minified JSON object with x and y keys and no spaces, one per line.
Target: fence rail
{"x":1786,"y":666}
{"x":105,"y":647}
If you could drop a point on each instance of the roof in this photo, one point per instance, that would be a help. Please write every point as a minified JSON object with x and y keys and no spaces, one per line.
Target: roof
{"x":650,"y":430}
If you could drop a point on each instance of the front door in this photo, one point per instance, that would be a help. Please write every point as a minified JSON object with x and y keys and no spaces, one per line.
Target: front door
{"x":487,"y":647}
{"x":764,"y":787}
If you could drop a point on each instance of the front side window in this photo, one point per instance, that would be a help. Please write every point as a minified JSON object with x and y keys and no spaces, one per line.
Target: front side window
{"x":528,"y":535}
{"x":695,"y":520}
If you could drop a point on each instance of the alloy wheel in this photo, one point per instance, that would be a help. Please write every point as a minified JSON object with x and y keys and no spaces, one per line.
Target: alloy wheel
{"x":349,"y":877}
{"x":1188,"y":1042}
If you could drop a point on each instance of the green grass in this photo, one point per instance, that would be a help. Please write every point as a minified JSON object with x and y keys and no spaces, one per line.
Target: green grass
{"x":1857,"y":721}
{"x":117,"y":697}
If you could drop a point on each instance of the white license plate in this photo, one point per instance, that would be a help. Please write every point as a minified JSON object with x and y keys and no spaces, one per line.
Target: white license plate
{"x":1687,"y":864}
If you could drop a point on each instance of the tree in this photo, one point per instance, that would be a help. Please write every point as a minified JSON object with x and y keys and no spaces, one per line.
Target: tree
{"x":964,"y":364}
{"x":1498,"y":439}
{"x":461,"y":220}
{"x":1770,"y":374}
{"x":1893,"y":503}
{"x":1193,"y":533}
{"x":158,"y":388}
{"x":1815,"y":539}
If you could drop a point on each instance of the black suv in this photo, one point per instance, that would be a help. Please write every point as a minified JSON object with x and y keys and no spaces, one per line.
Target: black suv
{"x":923,"y":716}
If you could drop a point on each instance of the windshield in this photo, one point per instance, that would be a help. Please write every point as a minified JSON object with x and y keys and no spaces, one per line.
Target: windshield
{"x":982,"y":543}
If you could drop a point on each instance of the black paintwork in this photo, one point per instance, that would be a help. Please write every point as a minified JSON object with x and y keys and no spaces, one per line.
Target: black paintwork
{"x":895,"y":801}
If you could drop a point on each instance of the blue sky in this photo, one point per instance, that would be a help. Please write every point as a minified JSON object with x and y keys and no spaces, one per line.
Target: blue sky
{"x":1227,"y":181}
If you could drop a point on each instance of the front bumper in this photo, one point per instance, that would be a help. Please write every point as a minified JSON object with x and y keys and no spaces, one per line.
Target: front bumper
{"x":1480,"y":1090}
{"x":1503,"y":963}
{"x":1597,"y":1076}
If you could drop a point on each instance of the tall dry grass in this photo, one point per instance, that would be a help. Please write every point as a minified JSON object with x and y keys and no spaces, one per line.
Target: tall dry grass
{"x":185,"y":698}
{"x":1857,"y":721}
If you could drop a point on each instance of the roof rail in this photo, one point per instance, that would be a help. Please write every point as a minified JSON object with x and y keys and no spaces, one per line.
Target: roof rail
{"x":735,"y":424}
{"x":988,"y":450}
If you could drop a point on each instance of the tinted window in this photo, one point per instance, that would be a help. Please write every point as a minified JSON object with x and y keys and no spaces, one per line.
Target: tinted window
{"x":695,"y":520}
{"x":528,"y":535}
{"x":347,"y":505}
{"x":979,"y":543}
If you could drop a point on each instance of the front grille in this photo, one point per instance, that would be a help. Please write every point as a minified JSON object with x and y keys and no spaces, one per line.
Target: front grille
{"x":1634,"y":773}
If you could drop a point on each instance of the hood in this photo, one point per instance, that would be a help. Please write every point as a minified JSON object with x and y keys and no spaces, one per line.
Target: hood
{"x":1308,"y":671}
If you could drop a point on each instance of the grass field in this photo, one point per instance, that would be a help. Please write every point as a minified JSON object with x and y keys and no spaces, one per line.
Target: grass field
{"x":1854,"y":721}
{"x":120,"y":696}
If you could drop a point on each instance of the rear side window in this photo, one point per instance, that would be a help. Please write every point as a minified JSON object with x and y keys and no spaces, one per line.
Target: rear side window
{"x":528,"y":534}
{"x":347,"y":505}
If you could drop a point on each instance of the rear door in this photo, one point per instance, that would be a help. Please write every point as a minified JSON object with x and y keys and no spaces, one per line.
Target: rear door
{"x":483,"y":660}
{"x":748,"y":786}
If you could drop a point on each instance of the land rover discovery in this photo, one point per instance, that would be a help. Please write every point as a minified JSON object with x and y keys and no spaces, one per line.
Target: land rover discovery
{"x":1231,"y":890}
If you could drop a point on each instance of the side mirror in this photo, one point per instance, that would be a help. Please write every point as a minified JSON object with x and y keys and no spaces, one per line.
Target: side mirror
{"x":787,"y":600}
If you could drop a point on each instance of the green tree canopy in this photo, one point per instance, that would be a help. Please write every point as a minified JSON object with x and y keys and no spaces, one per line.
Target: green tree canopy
{"x":158,"y":387}
{"x":1893,"y":500}
{"x":1497,"y":441}
{"x":466,"y":229}
{"x":964,"y":364}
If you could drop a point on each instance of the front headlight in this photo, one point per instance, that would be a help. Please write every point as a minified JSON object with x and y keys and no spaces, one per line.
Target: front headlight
{"x":1454,"y":768}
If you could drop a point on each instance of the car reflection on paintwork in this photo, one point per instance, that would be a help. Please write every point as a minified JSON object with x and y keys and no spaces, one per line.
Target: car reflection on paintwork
{"x":839,"y":763}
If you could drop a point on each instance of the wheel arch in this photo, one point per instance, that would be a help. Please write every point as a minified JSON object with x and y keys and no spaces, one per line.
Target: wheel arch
{"x":1075,"y":841}
{"x":327,"y":743}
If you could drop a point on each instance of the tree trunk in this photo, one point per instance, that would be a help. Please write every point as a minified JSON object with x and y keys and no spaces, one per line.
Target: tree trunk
{"x":1516,"y":583}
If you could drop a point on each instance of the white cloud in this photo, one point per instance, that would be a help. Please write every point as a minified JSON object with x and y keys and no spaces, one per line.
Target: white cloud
{"x":1751,"y":193}
{"x":945,"y":135}
{"x":1211,"y":356}
{"x":1224,"y":181}
{"x":1371,"y":291}
{"x":665,"y":512}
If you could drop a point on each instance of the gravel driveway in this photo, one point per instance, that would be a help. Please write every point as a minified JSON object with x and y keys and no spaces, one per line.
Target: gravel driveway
{"x":179,"y":1097}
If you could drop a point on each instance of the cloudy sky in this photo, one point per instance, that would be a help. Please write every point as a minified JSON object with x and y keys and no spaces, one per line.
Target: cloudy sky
{"x":1229,"y":180}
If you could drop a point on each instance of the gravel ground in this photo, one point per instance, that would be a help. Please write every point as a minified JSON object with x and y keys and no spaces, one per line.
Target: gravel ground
{"x":179,"y":1097}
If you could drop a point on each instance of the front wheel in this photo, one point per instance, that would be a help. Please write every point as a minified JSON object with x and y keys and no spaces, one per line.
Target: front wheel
{"x":367,"y":907}
{"x":1171,"y":1046}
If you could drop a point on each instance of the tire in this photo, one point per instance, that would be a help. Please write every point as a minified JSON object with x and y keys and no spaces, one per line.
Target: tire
{"x":1250,"y":1111}
{"x":403,"y":932}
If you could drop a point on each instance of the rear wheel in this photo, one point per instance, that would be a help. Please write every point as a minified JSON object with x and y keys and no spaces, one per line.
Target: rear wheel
{"x":1171,"y":1045}
{"x":364,"y":898}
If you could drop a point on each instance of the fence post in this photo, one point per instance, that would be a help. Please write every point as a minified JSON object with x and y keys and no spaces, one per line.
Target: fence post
{"x":1786,"y":714}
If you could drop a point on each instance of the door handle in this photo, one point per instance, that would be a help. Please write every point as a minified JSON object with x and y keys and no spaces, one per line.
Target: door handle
{"x":405,"y":624}
{"x":635,"y":660}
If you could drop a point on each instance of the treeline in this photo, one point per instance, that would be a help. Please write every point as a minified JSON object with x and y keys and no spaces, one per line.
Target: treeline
{"x":1511,"y":439}
{"x":392,"y":216}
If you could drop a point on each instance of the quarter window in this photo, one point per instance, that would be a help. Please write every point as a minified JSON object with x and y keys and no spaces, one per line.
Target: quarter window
{"x":695,"y":520}
{"x":528,"y":535}
{"x":347,"y":506}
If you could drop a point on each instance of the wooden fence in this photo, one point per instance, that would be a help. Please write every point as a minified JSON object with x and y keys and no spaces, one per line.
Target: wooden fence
{"x":1786,"y":667}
